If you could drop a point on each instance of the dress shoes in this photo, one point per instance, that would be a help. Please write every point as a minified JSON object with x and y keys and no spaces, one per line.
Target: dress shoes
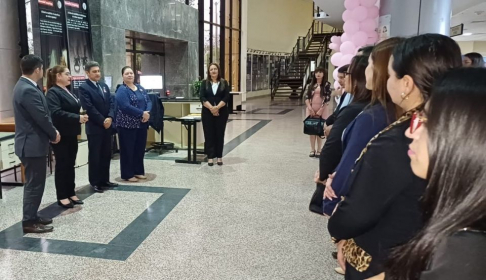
{"x":98,"y":189}
{"x":109,"y":185}
{"x":37,"y":228}
{"x":69,"y":205}
{"x":76,"y":202}
{"x":44,"y":221}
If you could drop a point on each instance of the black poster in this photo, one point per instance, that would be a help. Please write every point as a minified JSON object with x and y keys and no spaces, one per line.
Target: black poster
{"x":47,"y":28}
{"x":79,"y":37}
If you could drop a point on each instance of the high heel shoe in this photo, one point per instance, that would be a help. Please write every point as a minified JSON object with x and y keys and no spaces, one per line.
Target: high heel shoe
{"x":133,"y":180}
{"x":220,"y":162}
{"x":70,"y":205}
{"x":143,"y":177}
{"x":75,"y":202}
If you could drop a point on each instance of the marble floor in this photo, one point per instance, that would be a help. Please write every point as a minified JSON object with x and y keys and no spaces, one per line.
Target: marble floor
{"x":248,"y":219}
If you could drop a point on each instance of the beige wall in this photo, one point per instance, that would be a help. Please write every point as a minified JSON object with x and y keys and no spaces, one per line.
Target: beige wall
{"x":9,"y":55}
{"x":473,"y":46}
{"x":274,"y":25}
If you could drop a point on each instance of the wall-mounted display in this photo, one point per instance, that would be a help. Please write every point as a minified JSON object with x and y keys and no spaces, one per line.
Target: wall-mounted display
{"x":59,"y":32}
{"x":79,"y":39}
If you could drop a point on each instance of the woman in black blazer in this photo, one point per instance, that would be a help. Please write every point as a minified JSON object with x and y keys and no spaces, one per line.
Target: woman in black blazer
{"x":65,"y":112}
{"x":382,"y":207}
{"x":214,"y":94}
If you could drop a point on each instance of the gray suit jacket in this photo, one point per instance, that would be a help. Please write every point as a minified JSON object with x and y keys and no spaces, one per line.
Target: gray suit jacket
{"x":33,"y":125}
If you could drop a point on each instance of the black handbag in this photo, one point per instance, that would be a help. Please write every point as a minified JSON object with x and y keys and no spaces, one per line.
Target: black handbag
{"x":314,"y":126}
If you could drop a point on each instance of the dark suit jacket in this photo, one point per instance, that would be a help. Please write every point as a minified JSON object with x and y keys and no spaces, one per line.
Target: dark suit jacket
{"x":64,"y":108}
{"x":33,"y":124}
{"x":222,"y":94}
{"x":332,"y":118}
{"x":97,"y":107}
{"x":382,"y":209}
{"x":333,"y":148}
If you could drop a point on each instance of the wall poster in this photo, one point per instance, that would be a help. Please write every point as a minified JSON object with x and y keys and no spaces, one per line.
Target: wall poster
{"x":79,"y":38}
{"x":59,"y":32}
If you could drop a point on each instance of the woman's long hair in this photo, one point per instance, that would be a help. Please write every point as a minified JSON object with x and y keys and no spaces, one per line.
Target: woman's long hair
{"x":381,"y":56}
{"x":455,"y":197}
{"x":358,"y":79}
{"x":52,"y":75}
{"x":325,"y":86}
{"x":208,"y":78}
{"x":477,"y":59}
{"x":424,"y":58}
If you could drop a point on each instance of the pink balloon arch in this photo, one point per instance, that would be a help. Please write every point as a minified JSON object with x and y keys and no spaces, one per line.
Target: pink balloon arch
{"x":360,"y":24}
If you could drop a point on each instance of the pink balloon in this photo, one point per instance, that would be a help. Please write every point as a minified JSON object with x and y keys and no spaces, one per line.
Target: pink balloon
{"x":347,"y":15}
{"x":367,"y":3}
{"x":346,"y":59}
{"x":351,"y":4}
{"x":360,"y":13}
{"x":373,"y":12}
{"x":336,"y":39}
{"x":335,"y":74}
{"x":336,"y":59}
{"x":360,"y":38}
{"x":347,"y":48}
{"x":345,"y":37}
{"x":351,"y":26}
{"x":333,"y":46}
{"x":368,"y":25}
{"x":337,"y":85}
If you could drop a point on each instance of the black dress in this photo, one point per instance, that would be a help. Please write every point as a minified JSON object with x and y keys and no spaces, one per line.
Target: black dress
{"x":382,"y":209}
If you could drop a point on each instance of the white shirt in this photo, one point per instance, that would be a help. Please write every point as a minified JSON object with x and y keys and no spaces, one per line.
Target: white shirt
{"x":215,"y":87}
{"x":30,"y":80}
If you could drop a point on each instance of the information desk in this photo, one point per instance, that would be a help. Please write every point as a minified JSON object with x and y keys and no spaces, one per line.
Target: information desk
{"x":9,"y":161}
{"x":174,"y":132}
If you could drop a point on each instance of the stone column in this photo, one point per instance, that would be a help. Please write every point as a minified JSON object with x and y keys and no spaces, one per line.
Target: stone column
{"x":414,"y":17}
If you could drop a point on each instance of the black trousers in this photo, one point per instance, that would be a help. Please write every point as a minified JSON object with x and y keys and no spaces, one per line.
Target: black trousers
{"x":132,"y":151}
{"x":214,"y":128}
{"x":35,"y":182}
{"x":99,"y":158}
{"x":65,"y":152}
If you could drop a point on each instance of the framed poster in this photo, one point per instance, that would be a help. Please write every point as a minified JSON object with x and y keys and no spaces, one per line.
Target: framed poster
{"x":384,"y":26}
{"x":46,"y":32}
{"x":79,"y":39}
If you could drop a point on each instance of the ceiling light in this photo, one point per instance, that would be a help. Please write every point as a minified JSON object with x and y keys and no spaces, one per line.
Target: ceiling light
{"x":467,"y":34}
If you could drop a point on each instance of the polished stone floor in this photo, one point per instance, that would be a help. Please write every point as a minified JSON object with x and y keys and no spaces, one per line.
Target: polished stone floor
{"x":248,"y":219}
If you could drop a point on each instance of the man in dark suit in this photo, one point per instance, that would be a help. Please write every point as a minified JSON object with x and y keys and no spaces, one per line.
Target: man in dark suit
{"x":33,"y":131}
{"x":96,"y":99}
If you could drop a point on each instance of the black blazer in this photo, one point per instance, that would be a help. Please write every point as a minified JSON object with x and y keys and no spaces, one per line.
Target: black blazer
{"x":333,"y":148}
{"x":222,"y":94}
{"x":382,"y":209}
{"x":98,"y":107}
{"x":332,"y":118}
{"x":64,"y":108}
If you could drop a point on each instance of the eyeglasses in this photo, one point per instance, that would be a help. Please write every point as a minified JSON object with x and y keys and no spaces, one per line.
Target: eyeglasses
{"x":67,"y":73}
{"x":417,"y":120}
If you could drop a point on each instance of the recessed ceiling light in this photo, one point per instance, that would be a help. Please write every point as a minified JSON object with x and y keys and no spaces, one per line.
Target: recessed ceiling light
{"x":467,"y":34}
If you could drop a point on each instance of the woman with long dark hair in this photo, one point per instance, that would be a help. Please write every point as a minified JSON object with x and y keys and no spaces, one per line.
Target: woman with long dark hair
{"x":473,"y":59}
{"x":214,"y":95}
{"x":380,"y":113}
{"x":317,"y":99}
{"x":132,"y":116}
{"x":382,"y":209}
{"x":332,"y":151}
{"x":449,"y":150}
{"x":65,"y":108}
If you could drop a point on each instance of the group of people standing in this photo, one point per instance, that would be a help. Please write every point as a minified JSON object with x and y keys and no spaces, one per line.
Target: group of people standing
{"x":401,"y":174}
{"x":55,"y":119}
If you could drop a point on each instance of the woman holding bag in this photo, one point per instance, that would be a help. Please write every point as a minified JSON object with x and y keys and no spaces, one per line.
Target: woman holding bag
{"x":318,"y":96}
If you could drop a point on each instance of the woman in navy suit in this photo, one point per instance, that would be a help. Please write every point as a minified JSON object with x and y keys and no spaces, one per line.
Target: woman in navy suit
{"x":132,"y":116}
{"x":65,"y":112}
{"x":214,"y":94}
{"x":380,"y":113}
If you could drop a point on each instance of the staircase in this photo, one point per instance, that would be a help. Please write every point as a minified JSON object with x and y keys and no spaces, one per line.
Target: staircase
{"x":290,"y":80}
